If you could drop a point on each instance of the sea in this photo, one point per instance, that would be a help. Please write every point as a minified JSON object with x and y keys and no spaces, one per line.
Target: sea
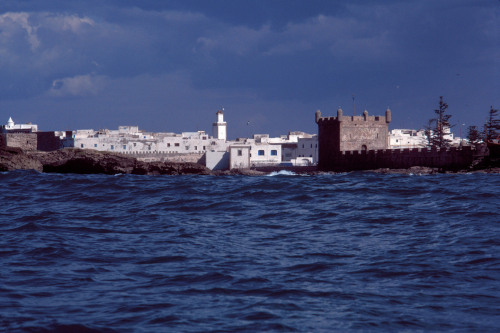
{"x":283,"y":252}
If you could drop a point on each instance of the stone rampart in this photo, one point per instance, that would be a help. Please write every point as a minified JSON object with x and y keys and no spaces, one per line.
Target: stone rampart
{"x":48,"y":141}
{"x":25,"y":141}
{"x":449,"y":159}
{"x":167,"y":157}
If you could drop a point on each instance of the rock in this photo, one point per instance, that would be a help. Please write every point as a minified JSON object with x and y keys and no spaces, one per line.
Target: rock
{"x":82,"y":161}
{"x":415,"y":170}
{"x":14,"y":159}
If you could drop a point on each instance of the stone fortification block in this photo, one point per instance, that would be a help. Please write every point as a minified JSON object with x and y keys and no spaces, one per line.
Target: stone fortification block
{"x":25,"y":141}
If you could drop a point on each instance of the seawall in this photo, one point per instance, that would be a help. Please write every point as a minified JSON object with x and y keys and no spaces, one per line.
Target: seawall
{"x":447,"y":159}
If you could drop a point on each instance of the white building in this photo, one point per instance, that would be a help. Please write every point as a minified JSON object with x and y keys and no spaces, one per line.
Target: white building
{"x":408,"y":138}
{"x":239,"y":156}
{"x":12,"y":127}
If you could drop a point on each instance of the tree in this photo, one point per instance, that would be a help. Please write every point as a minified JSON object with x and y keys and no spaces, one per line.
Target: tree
{"x":473,"y":134}
{"x":442,"y":126}
{"x":492,"y":125}
{"x":428,"y":131}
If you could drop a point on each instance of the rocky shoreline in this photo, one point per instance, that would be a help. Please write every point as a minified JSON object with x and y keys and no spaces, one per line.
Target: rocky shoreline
{"x":80,"y":161}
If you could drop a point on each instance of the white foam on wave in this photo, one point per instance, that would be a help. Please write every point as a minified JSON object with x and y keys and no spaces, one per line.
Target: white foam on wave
{"x":281,"y":173}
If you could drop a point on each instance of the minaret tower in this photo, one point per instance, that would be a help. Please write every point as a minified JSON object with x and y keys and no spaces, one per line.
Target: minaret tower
{"x":220,"y":127}
{"x":10,"y":123}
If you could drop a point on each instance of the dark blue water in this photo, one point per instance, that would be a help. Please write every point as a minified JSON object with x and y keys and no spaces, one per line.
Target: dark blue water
{"x":342,"y":252}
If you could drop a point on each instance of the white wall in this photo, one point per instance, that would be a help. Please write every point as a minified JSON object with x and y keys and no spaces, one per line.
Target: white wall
{"x":239,"y":156}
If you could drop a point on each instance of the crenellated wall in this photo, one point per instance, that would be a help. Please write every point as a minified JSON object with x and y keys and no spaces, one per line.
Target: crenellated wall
{"x":450,"y":159}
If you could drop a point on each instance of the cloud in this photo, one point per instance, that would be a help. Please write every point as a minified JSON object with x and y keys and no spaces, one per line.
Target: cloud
{"x":307,"y":53}
{"x":11,"y":23}
{"x":80,"y":85}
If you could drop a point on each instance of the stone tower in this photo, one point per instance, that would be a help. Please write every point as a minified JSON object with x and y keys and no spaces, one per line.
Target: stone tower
{"x":355,"y":133}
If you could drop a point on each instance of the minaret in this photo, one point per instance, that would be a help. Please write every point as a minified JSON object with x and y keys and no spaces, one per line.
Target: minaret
{"x":219,"y":128}
{"x":10,"y":123}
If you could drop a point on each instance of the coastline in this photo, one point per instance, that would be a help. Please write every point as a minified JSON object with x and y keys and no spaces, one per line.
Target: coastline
{"x":81,"y":161}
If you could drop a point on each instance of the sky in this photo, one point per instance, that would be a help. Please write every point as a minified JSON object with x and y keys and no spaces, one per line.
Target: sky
{"x":169,"y":65}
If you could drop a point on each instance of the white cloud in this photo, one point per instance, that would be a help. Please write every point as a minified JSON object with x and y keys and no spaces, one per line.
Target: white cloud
{"x":80,"y":85}
{"x":10,"y":22}
{"x":72,"y":23}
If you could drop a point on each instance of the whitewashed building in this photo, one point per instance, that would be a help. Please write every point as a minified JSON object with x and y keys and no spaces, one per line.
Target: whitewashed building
{"x":13,"y":127}
{"x":408,"y":138}
{"x":149,"y":146}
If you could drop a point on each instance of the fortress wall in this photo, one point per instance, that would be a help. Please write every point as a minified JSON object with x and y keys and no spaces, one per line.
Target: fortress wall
{"x":370,"y":134}
{"x":451,"y":159}
{"x":48,"y":141}
{"x":25,"y":141}
{"x":350,"y":133}
{"x":172,"y":157}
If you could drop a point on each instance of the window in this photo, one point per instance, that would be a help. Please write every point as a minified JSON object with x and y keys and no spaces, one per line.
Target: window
{"x":149,"y":147}
{"x":261,"y":153}
{"x":95,"y":145}
{"x":204,"y":138}
{"x":240,"y":152}
{"x":311,"y":145}
{"x":124,"y":147}
{"x":112,"y":147}
{"x":168,"y":144}
{"x":177,"y":145}
{"x":195,"y":147}
{"x":204,"y":148}
{"x":274,"y":153}
{"x":135,"y":144}
{"x":302,"y":145}
{"x":81,"y":145}
{"x":187,"y":147}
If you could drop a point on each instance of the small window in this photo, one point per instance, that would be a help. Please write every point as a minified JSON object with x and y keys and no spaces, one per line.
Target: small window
{"x":311,"y":145}
{"x":204,"y":138}
{"x":149,"y":147}
{"x":112,"y":147}
{"x":95,"y":145}
{"x":274,"y":153}
{"x":144,"y":136}
{"x":302,"y":145}
{"x":240,"y":152}
{"x":187,"y":147}
{"x":168,"y":144}
{"x":261,"y":153}
{"x":195,"y":147}
{"x":177,"y":145}
{"x":124,"y":147}
{"x":204,"y":148}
